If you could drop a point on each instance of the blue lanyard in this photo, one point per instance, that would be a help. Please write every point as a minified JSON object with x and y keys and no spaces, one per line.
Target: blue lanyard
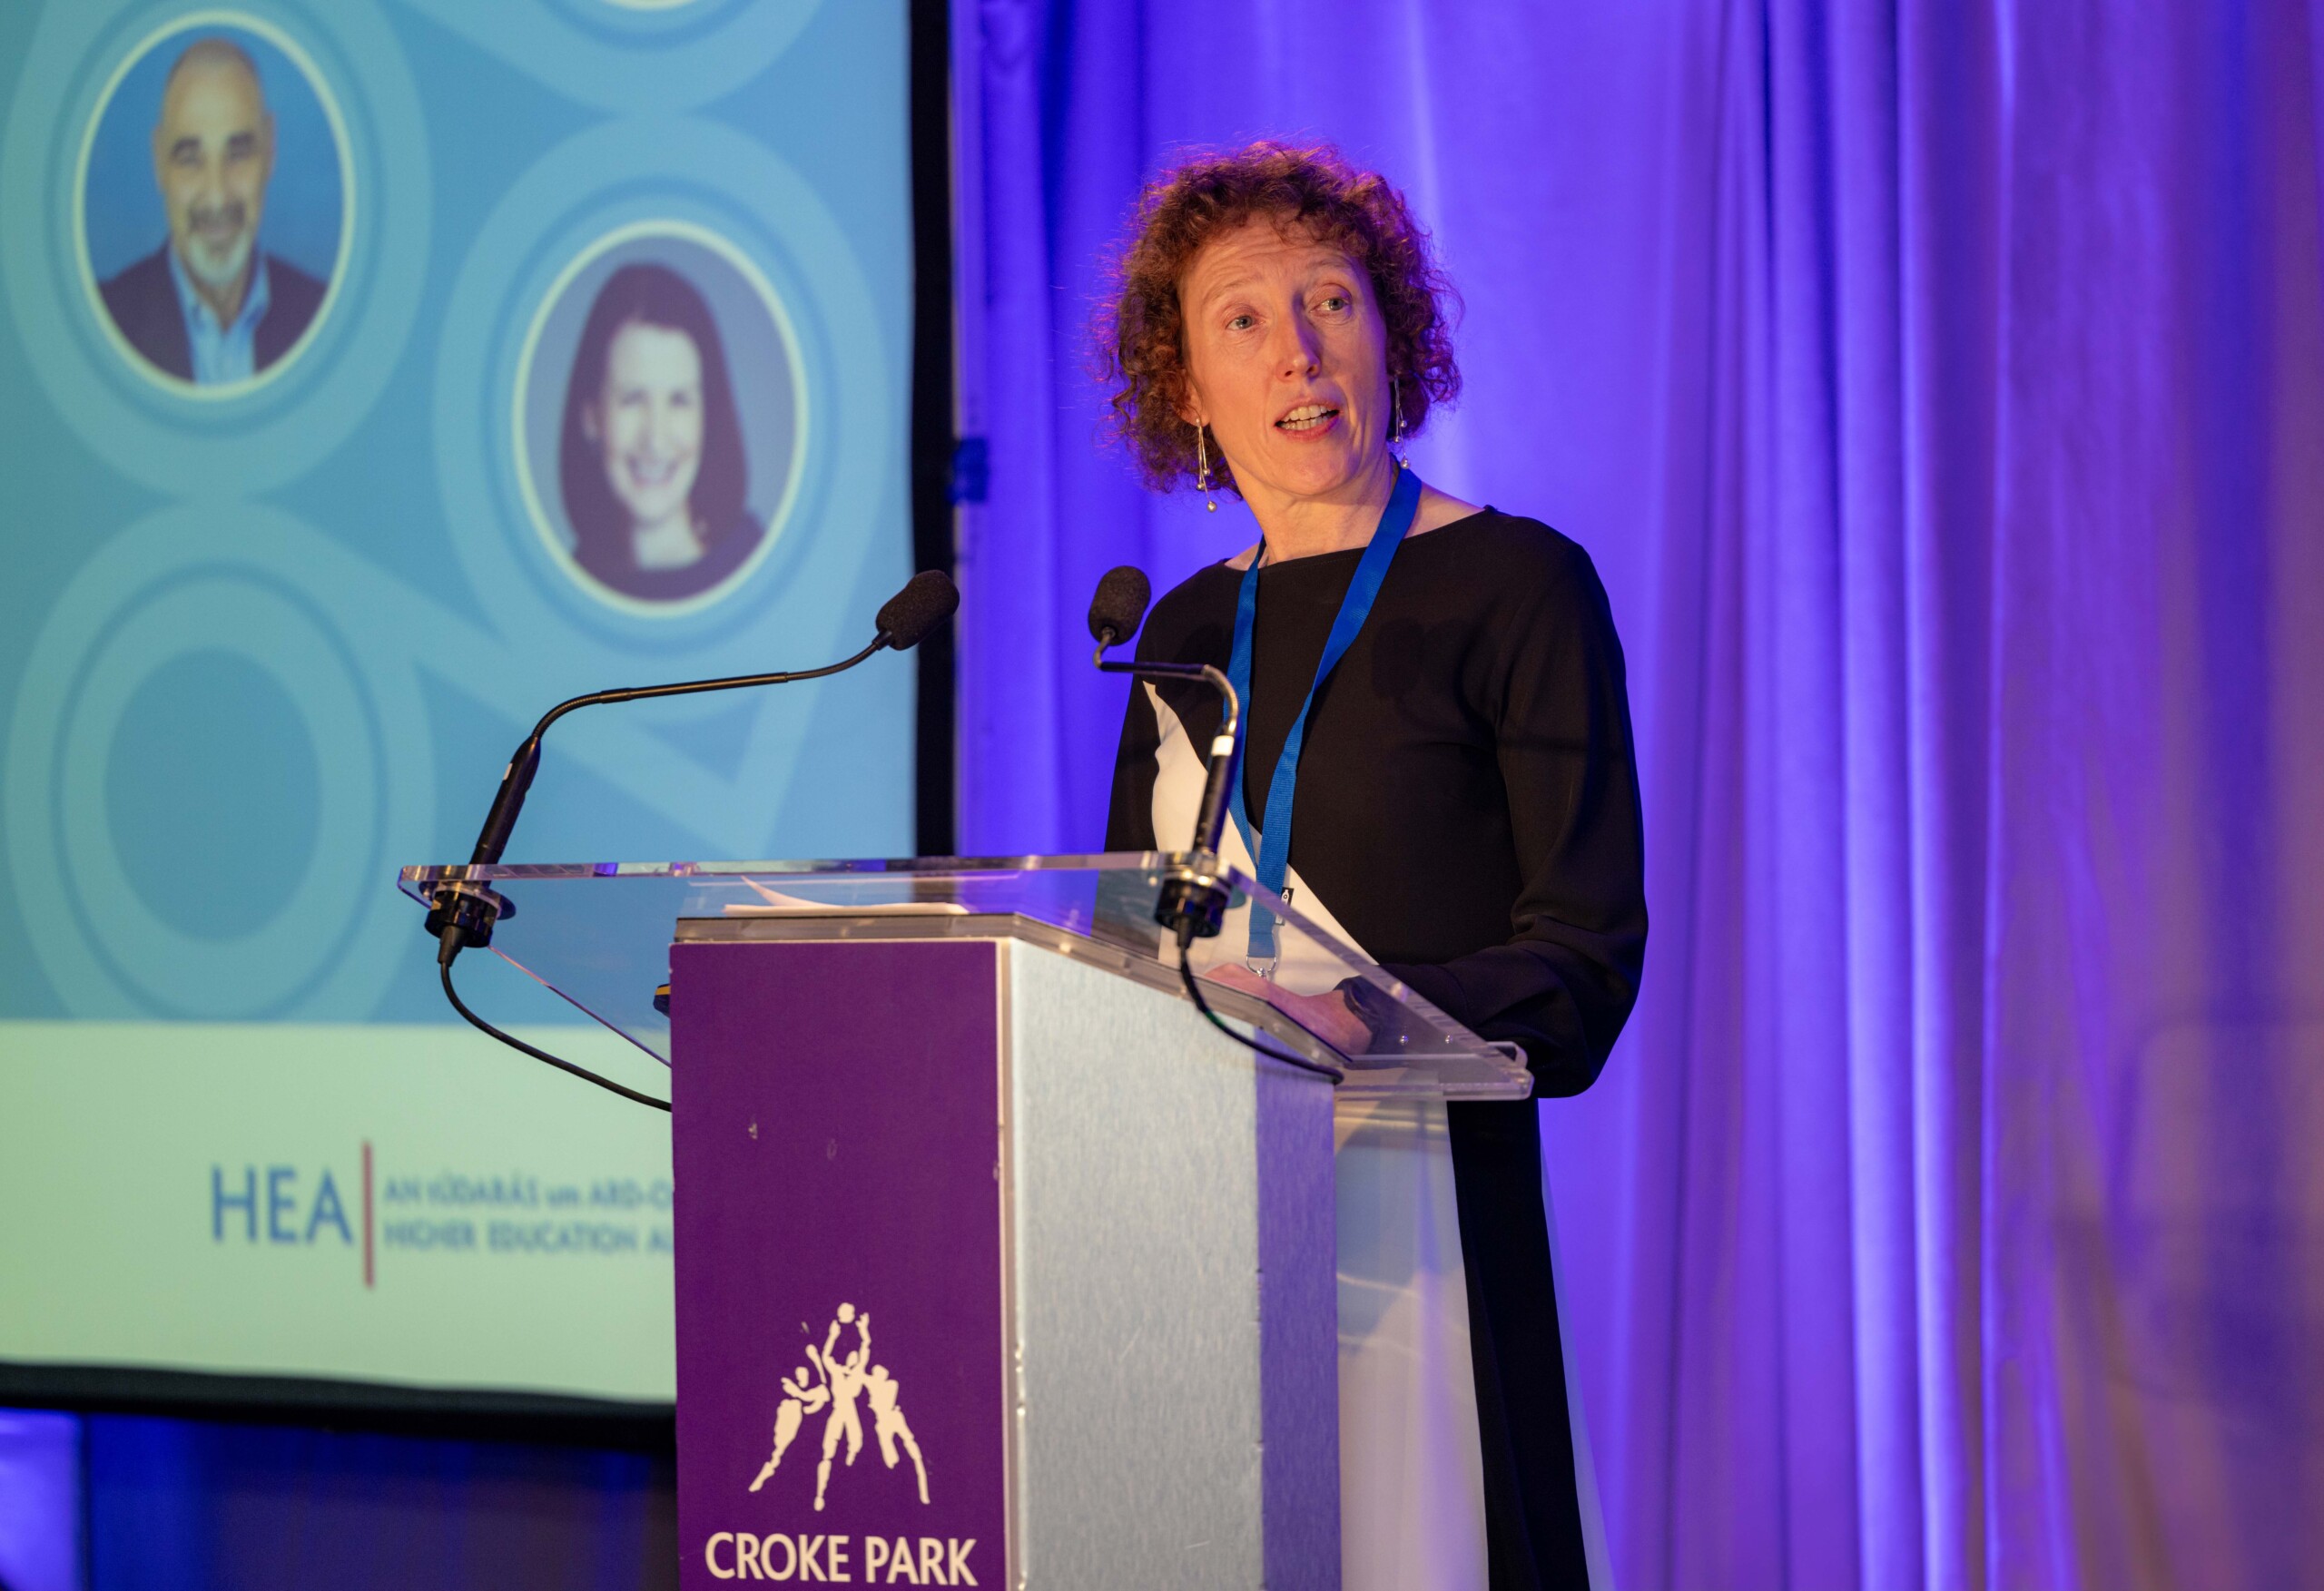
{"x":1272,"y":849}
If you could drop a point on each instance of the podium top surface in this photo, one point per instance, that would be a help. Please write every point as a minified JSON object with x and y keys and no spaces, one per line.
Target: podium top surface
{"x":598,"y":934}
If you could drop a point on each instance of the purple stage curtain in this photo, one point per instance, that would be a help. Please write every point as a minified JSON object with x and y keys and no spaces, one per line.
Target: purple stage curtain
{"x":1940,"y":389}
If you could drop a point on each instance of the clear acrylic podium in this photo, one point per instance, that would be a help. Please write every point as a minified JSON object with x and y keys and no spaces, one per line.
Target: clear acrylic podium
{"x":995,"y":1263}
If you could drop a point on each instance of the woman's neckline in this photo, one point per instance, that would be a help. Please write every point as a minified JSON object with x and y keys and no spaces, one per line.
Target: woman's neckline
{"x":1309,"y":559}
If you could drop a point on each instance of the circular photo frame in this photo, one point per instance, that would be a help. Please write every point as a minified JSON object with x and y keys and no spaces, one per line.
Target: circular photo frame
{"x":214,"y":204}
{"x":660,"y":419}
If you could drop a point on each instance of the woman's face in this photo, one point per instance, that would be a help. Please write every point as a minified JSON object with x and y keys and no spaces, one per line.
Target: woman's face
{"x":648,"y":421}
{"x":1286,"y":357}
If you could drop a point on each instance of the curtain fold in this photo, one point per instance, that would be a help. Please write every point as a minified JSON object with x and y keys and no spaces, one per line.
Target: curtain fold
{"x":1940,"y":390}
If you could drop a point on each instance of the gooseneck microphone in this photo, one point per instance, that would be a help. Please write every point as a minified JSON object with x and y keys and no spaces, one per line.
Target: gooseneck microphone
{"x":902,"y":623}
{"x":1193,"y":900}
{"x":1119,"y":608}
{"x":464,"y":911}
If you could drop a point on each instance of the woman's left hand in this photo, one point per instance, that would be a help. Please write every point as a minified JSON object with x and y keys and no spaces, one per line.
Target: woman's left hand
{"x":1327,"y":1016}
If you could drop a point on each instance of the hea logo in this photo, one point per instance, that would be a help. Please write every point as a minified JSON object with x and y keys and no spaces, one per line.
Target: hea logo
{"x":286,"y":1206}
{"x":278,"y":1203}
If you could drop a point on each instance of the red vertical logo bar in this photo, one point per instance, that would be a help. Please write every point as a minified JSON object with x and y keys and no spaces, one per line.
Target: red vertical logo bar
{"x":366,"y":1212}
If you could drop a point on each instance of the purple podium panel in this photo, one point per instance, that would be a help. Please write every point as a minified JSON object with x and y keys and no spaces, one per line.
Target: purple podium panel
{"x":841,"y":1335}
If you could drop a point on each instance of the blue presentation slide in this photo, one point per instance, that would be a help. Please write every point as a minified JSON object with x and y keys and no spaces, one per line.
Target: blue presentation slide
{"x":373,"y":375}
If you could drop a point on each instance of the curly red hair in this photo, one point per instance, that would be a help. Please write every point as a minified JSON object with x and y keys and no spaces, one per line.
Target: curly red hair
{"x":1141,"y":334}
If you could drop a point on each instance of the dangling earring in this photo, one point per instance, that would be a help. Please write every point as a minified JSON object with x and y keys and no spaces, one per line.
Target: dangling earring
{"x":1202,"y":467}
{"x":1395,"y":417}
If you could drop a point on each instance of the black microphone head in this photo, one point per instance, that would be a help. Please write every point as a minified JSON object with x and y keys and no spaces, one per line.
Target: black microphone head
{"x":927,"y":600}
{"x":1119,"y":605}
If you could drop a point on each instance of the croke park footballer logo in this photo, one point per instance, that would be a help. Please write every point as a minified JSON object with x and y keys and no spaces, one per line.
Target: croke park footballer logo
{"x":839,"y":1382}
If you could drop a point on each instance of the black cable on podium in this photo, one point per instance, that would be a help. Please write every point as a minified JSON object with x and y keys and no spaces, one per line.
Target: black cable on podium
{"x":443,"y":965}
{"x":1194,"y":992}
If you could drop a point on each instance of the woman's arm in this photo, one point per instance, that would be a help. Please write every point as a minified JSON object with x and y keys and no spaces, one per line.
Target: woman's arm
{"x":1564,"y":983}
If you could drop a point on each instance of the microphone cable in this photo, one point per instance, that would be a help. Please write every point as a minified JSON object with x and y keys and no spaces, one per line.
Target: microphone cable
{"x":513,"y":1041}
{"x":1194,"y":993}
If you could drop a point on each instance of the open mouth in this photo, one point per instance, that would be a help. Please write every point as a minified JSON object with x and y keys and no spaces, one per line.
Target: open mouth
{"x":1307,"y":416}
{"x":651,"y":472}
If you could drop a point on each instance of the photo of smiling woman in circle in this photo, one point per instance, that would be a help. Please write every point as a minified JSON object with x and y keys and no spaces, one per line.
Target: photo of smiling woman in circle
{"x":650,"y":456}
{"x":660,"y":419}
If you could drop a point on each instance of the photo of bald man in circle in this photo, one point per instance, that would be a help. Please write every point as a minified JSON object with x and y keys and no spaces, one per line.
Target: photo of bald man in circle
{"x":210,"y":306}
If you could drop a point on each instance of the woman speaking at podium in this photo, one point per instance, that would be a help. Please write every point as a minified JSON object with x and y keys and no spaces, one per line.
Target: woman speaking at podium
{"x":1435,"y":691}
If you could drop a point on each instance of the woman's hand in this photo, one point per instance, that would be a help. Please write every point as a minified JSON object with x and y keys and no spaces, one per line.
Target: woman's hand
{"x":1327,"y":1016}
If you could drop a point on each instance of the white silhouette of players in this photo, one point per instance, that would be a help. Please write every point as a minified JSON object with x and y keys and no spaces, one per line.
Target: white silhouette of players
{"x":801,"y":1395}
{"x":845,"y":1377}
{"x":837,"y":1382}
{"x":888,"y":1423}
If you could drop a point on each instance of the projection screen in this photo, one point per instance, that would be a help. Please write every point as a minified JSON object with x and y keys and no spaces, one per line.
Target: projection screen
{"x":377,"y":374}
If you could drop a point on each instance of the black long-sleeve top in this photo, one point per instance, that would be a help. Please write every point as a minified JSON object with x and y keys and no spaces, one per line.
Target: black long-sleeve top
{"x":1467,"y":809}
{"x":1467,"y":800}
